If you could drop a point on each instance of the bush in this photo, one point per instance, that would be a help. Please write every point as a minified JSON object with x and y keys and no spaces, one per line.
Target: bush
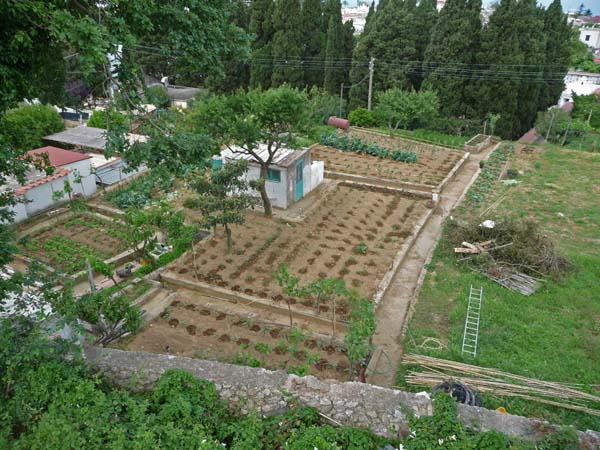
{"x":158,"y":96}
{"x":25,"y":127}
{"x":407,"y":109}
{"x":106,"y":119}
{"x":322,"y":105}
{"x":362,"y":117}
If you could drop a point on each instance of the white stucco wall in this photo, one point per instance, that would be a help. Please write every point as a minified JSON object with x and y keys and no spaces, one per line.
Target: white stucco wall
{"x":275,"y":190}
{"x":87,"y":177}
{"x":590,"y":37}
{"x":41,"y":197}
{"x":313,"y":175}
{"x":20,"y":212}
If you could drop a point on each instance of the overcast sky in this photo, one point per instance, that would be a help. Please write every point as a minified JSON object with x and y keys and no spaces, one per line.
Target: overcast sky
{"x":594,"y":5}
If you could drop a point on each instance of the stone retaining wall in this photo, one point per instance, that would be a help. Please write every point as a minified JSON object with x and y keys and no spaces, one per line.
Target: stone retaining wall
{"x":382,"y":410}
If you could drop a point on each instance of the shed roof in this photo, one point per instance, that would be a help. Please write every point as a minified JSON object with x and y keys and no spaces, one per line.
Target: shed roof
{"x":89,"y":137}
{"x":283,"y":158}
{"x":58,"y":156}
{"x":59,"y":173}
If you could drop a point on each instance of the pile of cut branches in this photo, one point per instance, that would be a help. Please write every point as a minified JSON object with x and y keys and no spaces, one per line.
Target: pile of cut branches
{"x":515,"y":246}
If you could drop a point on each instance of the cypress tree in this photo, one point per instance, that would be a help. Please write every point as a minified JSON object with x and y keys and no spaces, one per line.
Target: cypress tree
{"x":558,"y":54}
{"x":348,"y":44}
{"x":500,"y":49}
{"x":261,"y":26}
{"x":530,"y":29}
{"x":455,"y":40}
{"x":394,"y":44}
{"x":334,"y":50}
{"x":360,"y":56}
{"x":287,"y":48}
{"x":425,"y":20}
{"x":311,"y":29}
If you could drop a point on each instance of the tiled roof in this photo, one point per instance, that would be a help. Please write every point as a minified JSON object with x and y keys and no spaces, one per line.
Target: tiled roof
{"x":58,"y":173}
{"x":58,"y":156}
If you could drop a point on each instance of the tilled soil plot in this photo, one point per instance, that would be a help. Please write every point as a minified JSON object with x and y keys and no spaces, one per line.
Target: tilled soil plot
{"x":354,"y":234}
{"x":190,"y":329}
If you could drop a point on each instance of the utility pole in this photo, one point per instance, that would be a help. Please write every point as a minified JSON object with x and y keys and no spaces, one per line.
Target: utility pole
{"x":341,"y":99}
{"x":371,"y":70}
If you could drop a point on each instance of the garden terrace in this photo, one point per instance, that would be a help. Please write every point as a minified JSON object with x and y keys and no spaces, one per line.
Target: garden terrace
{"x":65,"y":244}
{"x":434,"y":163}
{"x":354,"y":234}
{"x":191,"y":328}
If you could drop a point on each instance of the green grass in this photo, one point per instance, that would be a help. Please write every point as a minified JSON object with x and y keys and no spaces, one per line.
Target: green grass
{"x":552,"y":335}
{"x":431,"y":136}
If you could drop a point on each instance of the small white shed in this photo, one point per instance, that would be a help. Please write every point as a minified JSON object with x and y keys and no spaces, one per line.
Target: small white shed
{"x":291,"y":175}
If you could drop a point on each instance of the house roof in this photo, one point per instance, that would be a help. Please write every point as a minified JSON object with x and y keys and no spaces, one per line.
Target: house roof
{"x":89,"y":137}
{"x":58,"y":156}
{"x":283,"y":158}
{"x":59,"y":173}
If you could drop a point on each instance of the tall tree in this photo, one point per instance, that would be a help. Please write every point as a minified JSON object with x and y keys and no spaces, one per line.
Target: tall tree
{"x":261,"y":26}
{"x":333,"y":75}
{"x":558,"y":53}
{"x":311,"y":28}
{"x":287,"y":46}
{"x":500,"y":48}
{"x":425,"y":19}
{"x":248,"y":120}
{"x":451,"y":52}
{"x":360,"y":56}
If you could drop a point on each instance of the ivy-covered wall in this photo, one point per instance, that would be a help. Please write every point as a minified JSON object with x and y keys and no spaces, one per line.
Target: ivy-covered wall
{"x":384,"y":411}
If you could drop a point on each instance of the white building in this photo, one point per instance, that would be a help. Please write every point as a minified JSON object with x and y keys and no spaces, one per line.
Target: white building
{"x":42,"y":192}
{"x":580,"y":83}
{"x":291,"y":176}
{"x":590,"y":36}
{"x":358,"y":16}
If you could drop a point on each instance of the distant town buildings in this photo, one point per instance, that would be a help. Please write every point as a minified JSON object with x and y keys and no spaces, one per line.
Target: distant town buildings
{"x":358,"y":16}
{"x":590,"y":36}
{"x":580,"y":83}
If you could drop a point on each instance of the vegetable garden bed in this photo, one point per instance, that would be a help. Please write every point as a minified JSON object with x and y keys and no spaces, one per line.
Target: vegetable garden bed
{"x":354,"y":234}
{"x":189,"y":328}
{"x":66,"y":245}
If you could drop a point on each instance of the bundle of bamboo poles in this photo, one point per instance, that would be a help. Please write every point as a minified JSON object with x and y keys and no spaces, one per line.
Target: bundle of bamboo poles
{"x":496,"y":382}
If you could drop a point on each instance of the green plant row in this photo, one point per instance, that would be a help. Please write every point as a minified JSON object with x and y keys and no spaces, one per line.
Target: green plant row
{"x":359,"y":146}
{"x":489,"y":174}
{"x":140,"y":191}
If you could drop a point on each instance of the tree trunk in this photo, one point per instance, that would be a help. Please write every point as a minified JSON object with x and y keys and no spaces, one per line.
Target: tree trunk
{"x":263,"y":191}
{"x":228,"y":233}
{"x":289,"y":305}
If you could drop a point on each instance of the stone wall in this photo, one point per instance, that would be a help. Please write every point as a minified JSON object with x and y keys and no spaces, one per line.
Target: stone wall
{"x":382,"y":410}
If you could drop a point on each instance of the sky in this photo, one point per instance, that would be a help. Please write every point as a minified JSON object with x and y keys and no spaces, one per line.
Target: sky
{"x":594,"y":5}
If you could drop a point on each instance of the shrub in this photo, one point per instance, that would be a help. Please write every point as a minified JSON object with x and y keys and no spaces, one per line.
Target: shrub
{"x":106,"y":119}
{"x":158,"y":96}
{"x":362,"y":117}
{"x":25,"y":127}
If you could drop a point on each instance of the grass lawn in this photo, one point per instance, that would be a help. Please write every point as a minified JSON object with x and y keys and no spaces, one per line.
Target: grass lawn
{"x":552,"y":335}
{"x":431,"y":136}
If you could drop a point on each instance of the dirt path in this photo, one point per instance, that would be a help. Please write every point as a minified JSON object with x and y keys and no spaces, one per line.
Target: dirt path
{"x":394,"y":308}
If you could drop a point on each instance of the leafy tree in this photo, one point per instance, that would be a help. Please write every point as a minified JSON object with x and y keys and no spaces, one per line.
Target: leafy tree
{"x":587,"y":108}
{"x":287,"y":44}
{"x":362,"y":117}
{"x":552,"y":124}
{"x":106,"y":119}
{"x":111,"y":316}
{"x":103,"y":268}
{"x":455,"y":41}
{"x":326,"y":289}
{"x":140,"y":234}
{"x":222,"y":197}
{"x":246,"y":120}
{"x":261,"y":26}
{"x":322,"y":105}
{"x":361,"y":326}
{"x":156,"y":95}
{"x":582,"y":57}
{"x":407,"y":109}
{"x":290,"y":284}
{"x":24,"y":127}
